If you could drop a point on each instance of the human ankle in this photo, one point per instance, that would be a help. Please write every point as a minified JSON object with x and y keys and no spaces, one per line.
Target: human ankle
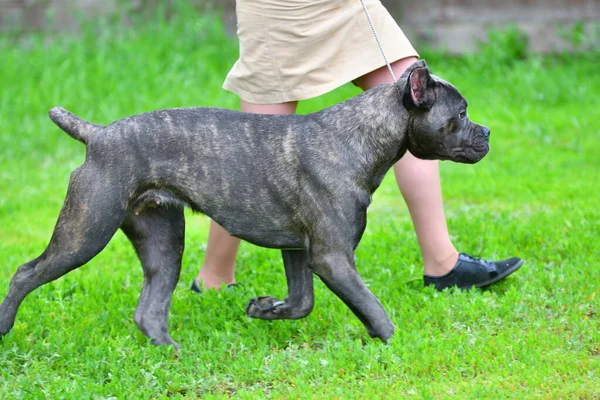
{"x":214,"y":278}
{"x":441,"y":264}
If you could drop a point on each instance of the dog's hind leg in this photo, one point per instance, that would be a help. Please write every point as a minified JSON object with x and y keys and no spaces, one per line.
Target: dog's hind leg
{"x":158,"y":236}
{"x":86,"y":223}
{"x":300,"y":300}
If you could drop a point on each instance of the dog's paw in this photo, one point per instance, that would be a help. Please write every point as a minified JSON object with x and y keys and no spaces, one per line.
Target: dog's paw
{"x":6,"y":323}
{"x":265,"y":307}
{"x":165,"y":340}
{"x":383,"y":332}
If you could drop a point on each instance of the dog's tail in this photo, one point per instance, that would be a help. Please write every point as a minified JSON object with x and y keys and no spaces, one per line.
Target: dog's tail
{"x":72,"y":124}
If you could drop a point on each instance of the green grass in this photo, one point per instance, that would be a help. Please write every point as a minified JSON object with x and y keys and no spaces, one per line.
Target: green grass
{"x":534,"y":335}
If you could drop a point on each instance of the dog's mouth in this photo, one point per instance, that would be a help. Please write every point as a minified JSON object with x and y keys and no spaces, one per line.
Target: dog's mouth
{"x":470,"y":155}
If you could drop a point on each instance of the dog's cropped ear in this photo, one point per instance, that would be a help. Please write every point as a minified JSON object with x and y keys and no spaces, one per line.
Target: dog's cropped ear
{"x":419,"y":90}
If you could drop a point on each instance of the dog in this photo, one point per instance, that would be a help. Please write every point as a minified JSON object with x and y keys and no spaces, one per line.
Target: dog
{"x":299,"y":183}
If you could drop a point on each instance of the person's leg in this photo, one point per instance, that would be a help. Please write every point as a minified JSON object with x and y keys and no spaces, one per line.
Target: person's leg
{"x":221,"y":250}
{"x":419,"y":183}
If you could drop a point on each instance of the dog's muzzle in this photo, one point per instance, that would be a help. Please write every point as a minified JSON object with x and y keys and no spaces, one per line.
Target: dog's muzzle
{"x":478,"y":149}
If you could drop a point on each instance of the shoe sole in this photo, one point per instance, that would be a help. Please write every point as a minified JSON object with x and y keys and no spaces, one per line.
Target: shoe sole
{"x":196,"y":289}
{"x":497,"y":278}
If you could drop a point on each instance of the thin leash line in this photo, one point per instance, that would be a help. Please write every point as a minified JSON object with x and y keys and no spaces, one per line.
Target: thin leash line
{"x":378,"y":41}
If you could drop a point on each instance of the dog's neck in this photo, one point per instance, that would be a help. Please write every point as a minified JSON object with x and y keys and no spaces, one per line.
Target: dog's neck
{"x":373,"y":130}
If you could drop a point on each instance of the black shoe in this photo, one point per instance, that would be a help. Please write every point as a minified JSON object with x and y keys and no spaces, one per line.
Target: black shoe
{"x":473,"y":272}
{"x":196,"y":288}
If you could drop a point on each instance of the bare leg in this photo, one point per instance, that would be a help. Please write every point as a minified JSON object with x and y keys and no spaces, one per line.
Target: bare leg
{"x":219,"y":263}
{"x":419,"y":183}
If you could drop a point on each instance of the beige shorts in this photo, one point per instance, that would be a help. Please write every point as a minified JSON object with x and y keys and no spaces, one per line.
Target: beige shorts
{"x":297,"y":49}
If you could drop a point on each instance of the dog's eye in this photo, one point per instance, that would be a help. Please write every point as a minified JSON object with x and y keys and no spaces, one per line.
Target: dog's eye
{"x":462,"y":114}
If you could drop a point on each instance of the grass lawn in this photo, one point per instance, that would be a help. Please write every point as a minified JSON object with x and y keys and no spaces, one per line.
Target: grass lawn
{"x":534,"y":335}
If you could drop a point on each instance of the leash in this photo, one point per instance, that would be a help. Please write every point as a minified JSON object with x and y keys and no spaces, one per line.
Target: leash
{"x":378,"y":42}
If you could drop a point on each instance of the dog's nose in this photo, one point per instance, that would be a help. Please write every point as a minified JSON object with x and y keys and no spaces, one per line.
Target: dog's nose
{"x":486,"y":131}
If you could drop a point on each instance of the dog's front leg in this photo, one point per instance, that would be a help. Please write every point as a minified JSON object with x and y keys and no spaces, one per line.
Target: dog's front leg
{"x":337,"y":270}
{"x":300,"y":300}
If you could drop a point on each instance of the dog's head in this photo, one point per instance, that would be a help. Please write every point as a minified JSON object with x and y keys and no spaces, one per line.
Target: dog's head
{"x":439,"y":126}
